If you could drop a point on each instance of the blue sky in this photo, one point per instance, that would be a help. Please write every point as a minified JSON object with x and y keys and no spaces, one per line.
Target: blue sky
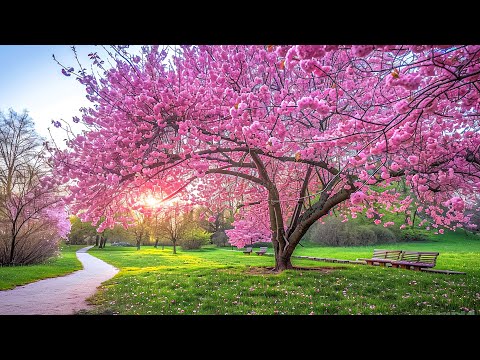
{"x":30,"y":79}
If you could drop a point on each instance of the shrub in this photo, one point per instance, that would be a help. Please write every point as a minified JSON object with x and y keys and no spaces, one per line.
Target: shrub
{"x":411,"y":235}
{"x":384,"y":235}
{"x":219,"y":238}
{"x":33,"y":249}
{"x":359,"y":235}
{"x":261,"y":243}
{"x":351,"y":233}
{"x":121,"y":243}
{"x":195,"y":240}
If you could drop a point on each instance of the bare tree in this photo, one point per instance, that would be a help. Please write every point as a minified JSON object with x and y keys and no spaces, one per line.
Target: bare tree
{"x":173,"y":224}
{"x":30,"y":210}
{"x":142,"y":225}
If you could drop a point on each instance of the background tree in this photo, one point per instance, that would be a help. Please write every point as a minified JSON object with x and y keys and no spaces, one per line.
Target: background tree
{"x":32,"y":215}
{"x":80,"y":232}
{"x":173,"y":224}
{"x":141,"y":226}
{"x":192,"y":235}
{"x":299,"y":130}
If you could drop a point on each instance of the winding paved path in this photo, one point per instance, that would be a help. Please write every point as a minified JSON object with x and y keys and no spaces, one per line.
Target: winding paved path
{"x":60,"y":295}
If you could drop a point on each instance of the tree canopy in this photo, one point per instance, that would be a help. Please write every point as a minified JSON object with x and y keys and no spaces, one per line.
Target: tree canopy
{"x":294,"y":130}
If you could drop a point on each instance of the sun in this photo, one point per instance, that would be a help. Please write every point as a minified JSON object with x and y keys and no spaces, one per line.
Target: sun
{"x":152,"y":201}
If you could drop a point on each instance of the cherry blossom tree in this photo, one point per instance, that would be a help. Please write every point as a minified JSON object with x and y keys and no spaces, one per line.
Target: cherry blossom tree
{"x":295,"y":130}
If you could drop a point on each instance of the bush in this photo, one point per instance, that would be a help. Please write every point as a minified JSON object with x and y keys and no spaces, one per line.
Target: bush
{"x":32,"y":249}
{"x":359,"y":235}
{"x":260,"y":243}
{"x":122,"y":243}
{"x":219,"y":238}
{"x":196,"y":240}
{"x":411,"y":235}
{"x":191,"y":244}
{"x":337,"y":233}
{"x":384,"y":235}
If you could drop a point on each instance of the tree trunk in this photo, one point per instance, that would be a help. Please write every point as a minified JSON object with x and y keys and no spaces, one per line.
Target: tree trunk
{"x":413,"y":220}
{"x":283,"y":263}
{"x":174,"y":246}
{"x":96,"y":240}
{"x":139,"y":240}
{"x":156,"y":243}
{"x":12,"y":247}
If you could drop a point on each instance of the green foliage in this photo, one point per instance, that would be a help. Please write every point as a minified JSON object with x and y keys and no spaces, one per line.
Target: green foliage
{"x":80,"y":231}
{"x":219,"y":281}
{"x":384,"y":235}
{"x":351,"y":233}
{"x":220,"y":238}
{"x":65,"y":263}
{"x":195,"y":240}
{"x":412,"y":235}
{"x":263,"y":244}
{"x":120,"y":234}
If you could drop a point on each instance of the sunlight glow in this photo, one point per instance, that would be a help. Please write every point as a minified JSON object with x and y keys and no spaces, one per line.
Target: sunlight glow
{"x":155,"y":203}
{"x":152,"y":201}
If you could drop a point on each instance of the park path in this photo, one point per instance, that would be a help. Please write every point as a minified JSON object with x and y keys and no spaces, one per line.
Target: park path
{"x":61,"y":295}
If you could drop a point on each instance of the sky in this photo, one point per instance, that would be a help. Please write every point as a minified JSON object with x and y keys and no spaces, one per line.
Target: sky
{"x":30,"y":79}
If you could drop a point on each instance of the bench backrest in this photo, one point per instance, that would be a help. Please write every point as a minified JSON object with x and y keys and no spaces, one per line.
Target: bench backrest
{"x":263,"y":248}
{"x":248,"y":249}
{"x":420,"y":257}
{"x":387,"y":254}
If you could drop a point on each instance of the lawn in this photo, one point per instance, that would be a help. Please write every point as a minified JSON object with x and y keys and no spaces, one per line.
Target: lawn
{"x":65,"y":263}
{"x":221,"y":281}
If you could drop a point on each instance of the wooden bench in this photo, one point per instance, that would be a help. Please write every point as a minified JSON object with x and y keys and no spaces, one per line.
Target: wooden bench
{"x":248,"y":250}
{"x":383,"y":257}
{"x":263,"y":250}
{"x":416,"y":260}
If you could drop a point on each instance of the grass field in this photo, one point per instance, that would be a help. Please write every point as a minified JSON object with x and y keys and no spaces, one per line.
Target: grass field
{"x":66,"y":263}
{"x":221,"y":281}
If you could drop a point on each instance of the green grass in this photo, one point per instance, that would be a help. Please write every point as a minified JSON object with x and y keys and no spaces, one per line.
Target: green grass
{"x":65,"y":263}
{"x":217,"y":281}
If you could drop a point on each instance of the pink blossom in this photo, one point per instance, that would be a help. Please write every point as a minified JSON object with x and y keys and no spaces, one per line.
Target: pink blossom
{"x":238,"y":124}
{"x":413,"y":159}
{"x":357,"y":197}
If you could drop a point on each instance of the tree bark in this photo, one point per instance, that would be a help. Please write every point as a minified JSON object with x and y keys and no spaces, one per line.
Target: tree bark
{"x":96,"y":240}
{"x":12,"y":247}
{"x":156,"y":242}
{"x":139,"y":240}
{"x":283,"y":263}
{"x":413,"y":220}
{"x":174,"y":246}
